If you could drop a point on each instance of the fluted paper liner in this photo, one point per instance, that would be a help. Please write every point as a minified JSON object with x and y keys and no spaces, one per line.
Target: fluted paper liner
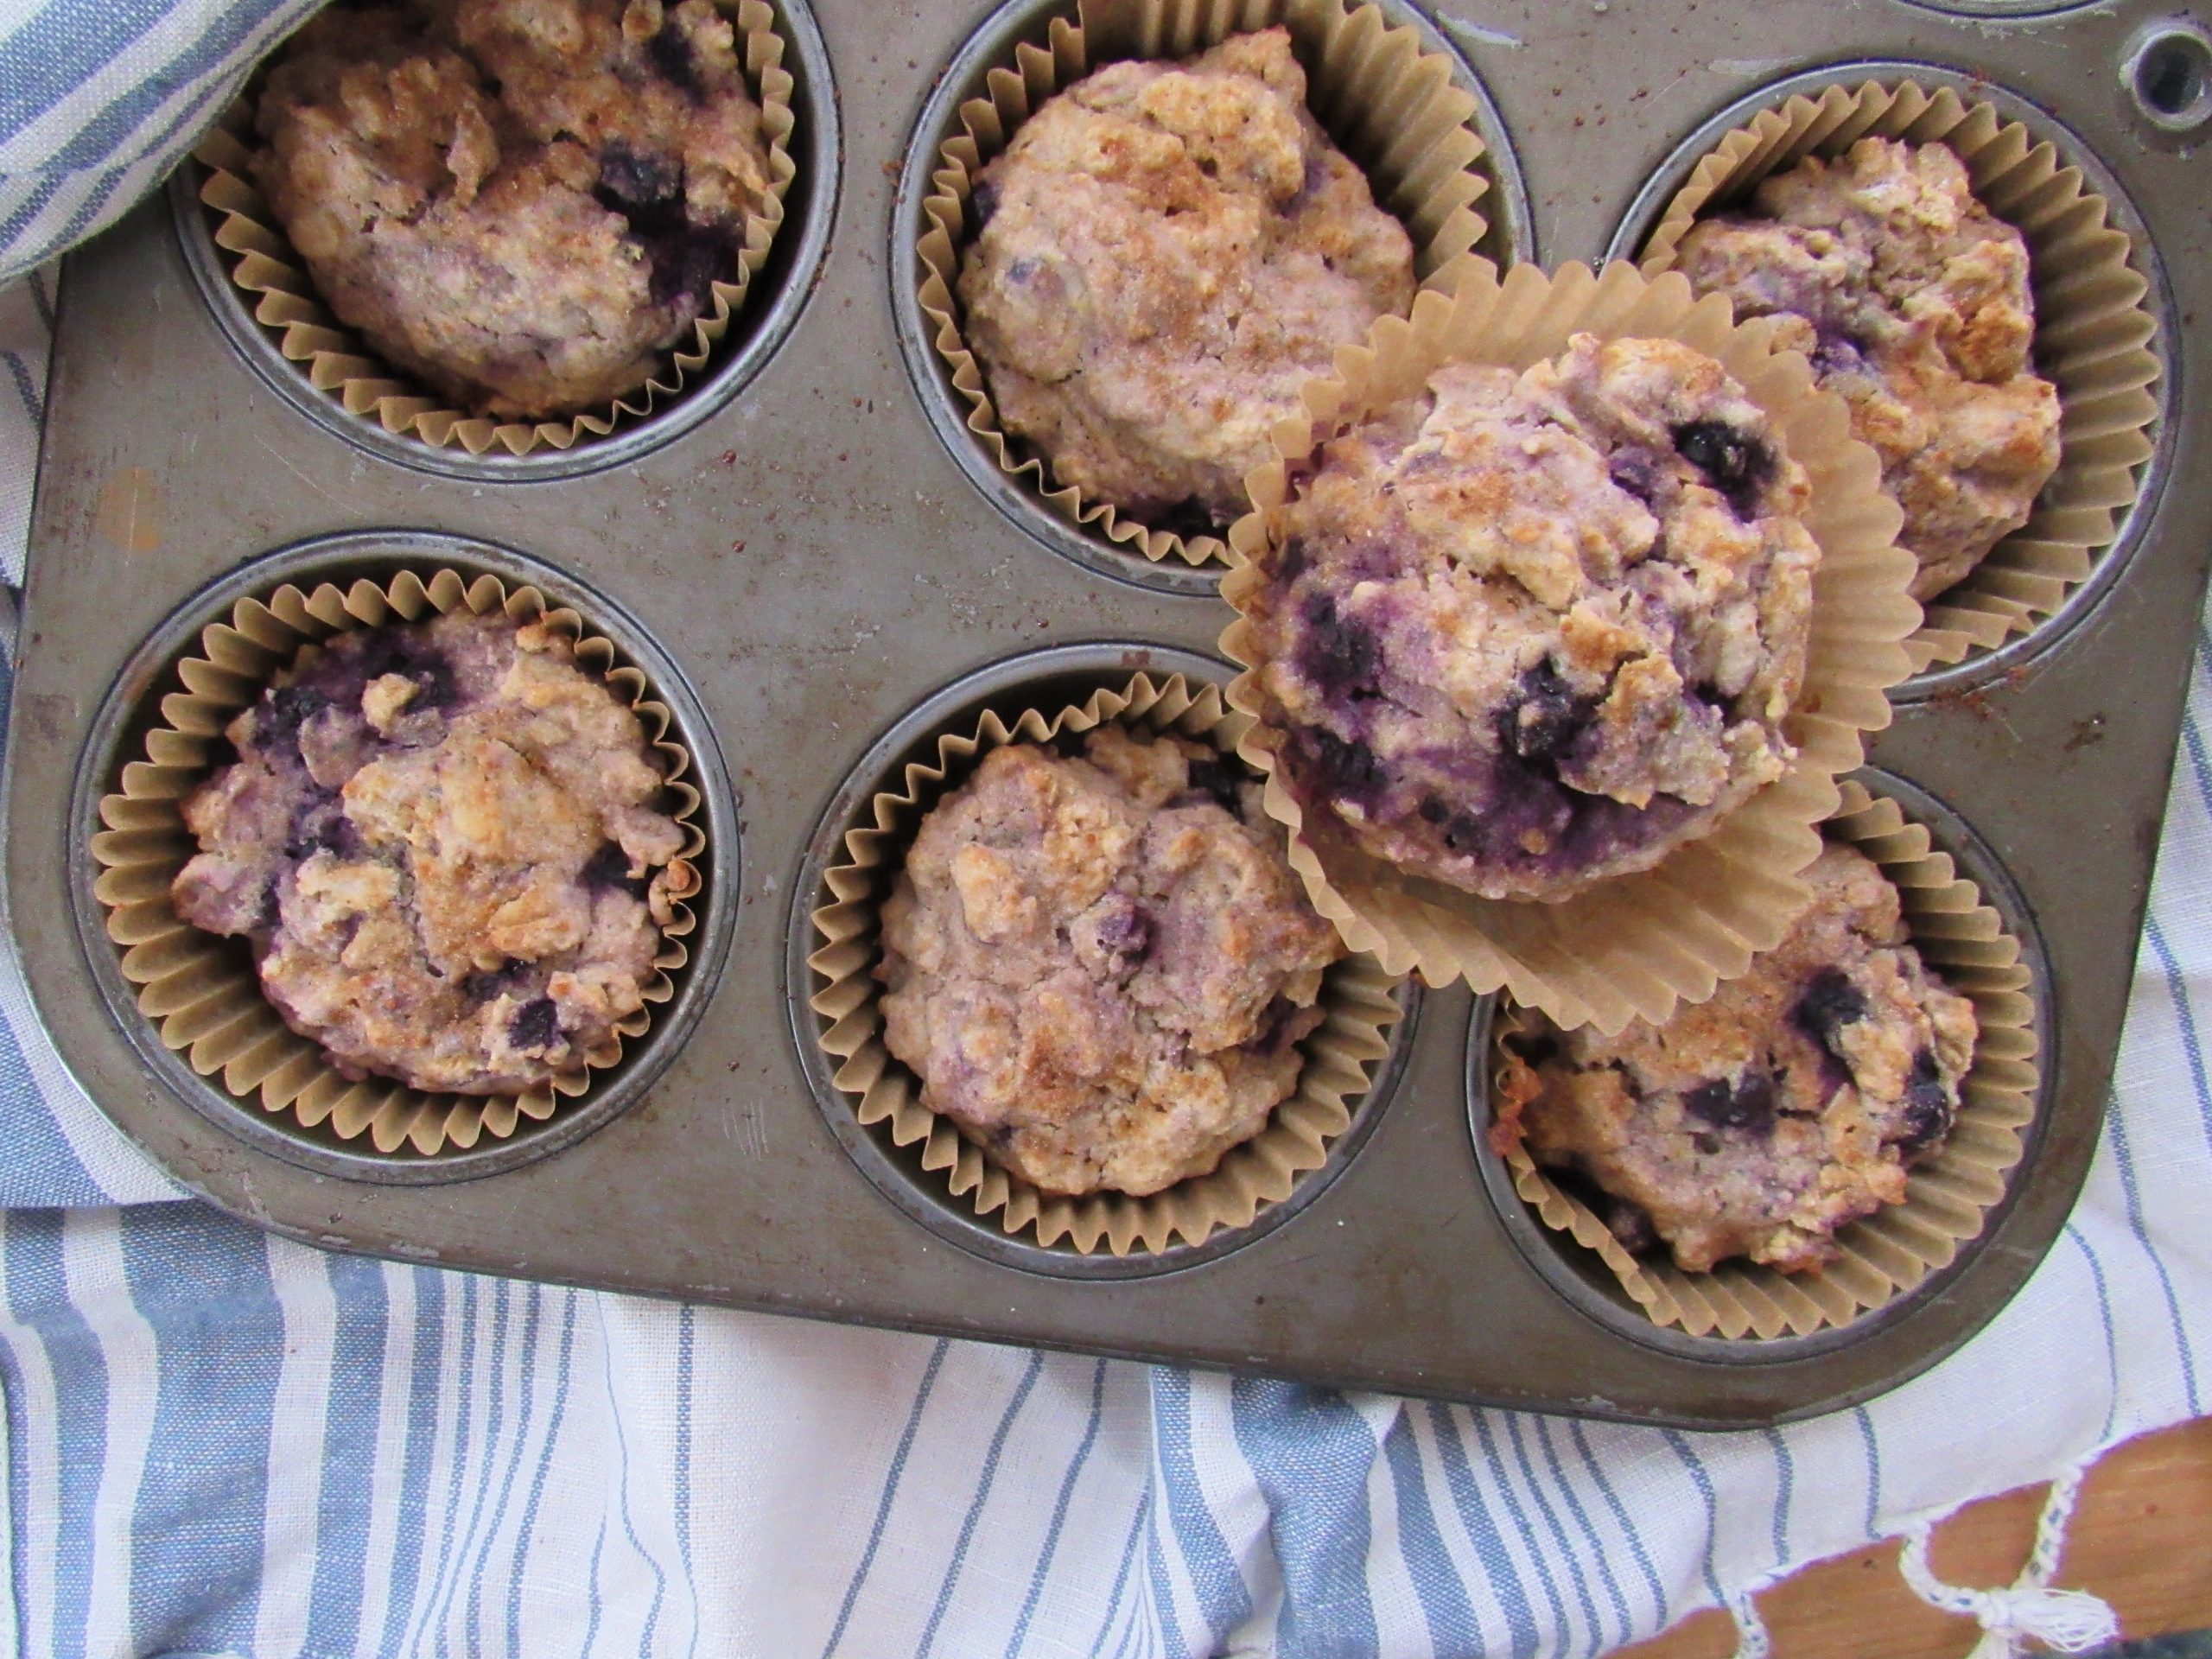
{"x":284,"y":299}
{"x":201,"y":990}
{"x":1341,"y":1054}
{"x":1385,"y":100}
{"x":1947,"y":1196}
{"x":2092,"y":332}
{"x":1627,"y":947}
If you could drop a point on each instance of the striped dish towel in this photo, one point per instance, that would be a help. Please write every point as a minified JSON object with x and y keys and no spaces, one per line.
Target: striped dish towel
{"x":222,"y":1443}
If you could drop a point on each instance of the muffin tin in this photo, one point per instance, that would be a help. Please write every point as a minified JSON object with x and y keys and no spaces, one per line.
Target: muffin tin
{"x":798,"y":553}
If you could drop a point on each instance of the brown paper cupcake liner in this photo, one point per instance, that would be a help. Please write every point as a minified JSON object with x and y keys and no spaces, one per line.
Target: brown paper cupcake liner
{"x":201,"y":991}
{"x":1628,"y":947}
{"x":1386,"y":101}
{"x":1341,"y":1055}
{"x":2094,"y":329}
{"x":1948,"y":1197}
{"x":284,"y":299}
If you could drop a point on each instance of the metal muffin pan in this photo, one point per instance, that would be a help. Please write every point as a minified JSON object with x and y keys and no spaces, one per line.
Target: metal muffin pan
{"x":812,"y":561}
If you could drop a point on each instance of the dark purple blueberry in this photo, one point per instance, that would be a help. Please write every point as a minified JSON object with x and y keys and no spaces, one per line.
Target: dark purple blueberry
{"x":1929,"y":1112}
{"x":1628,"y":1222}
{"x":1835,"y":353}
{"x":630,"y":183}
{"x":284,"y":712}
{"x":1337,"y":768}
{"x":670,"y":51}
{"x":985,"y":200}
{"x":1222,"y":780}
{"x":609,"y":866}
{"x":1746,"y":1103}
{"x":686,"y":265}
{"x":1635,"y":475}
{"x":1830,"y":1002}
{"x":1317,"y":175}
{"x":1545,"y":716}
{"x":1335,"y":653}
{"x":536,"y":1025}
{"x":1124,"y":933}
{"x":1735,"y":463}
{"x":322,"y":826}
{"x":1276,"y":1023}
{"x":481,"y":987}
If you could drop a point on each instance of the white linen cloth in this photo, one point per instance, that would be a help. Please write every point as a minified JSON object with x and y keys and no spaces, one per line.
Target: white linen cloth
{"x":222,"y":1443}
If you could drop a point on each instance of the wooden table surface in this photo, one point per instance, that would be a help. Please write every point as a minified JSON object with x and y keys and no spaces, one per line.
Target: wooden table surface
{"x":2142,"y":1539}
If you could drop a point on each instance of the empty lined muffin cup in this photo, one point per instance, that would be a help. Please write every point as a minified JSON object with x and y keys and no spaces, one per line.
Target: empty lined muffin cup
{"x":1385,"y":100}
{"x":282,"y":296}
{"x":2094,"y":328}
{"x":1949,"y":1196}
{"x":1359,"y":1002}
{"x":201,"y":990}
{"x":1629,"y":945}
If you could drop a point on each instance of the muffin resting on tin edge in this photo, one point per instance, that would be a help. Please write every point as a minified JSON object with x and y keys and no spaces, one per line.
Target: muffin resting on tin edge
{"x":1911,"y":300}
{"x":1101,"y":966}
{"x":1759,"y":1122}
{"x":522,"y":203}
{"x":442,"y":842}
{"x":1521,"y":632}
{"x":1167,"y":252}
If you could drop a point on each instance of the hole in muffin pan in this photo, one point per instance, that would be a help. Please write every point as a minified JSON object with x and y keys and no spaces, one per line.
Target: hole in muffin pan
{"x":780,"y":292}
{"x":2004,"y":9}
{"x":2167,"y":72}
{"x":1579,"y":1275}
{"x":1509,"y":239}
{"x":1047,"y":681}
{"x":1980,"y":666}
{"x":132,"y":708}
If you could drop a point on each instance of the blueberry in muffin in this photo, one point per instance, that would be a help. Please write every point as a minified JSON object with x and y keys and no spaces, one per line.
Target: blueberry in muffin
{"x":1759,"y":1122}
{"x":1167,"y":252}
{"x":521,"y":203}
{"x":1099,"y":963}
{"x":442,"y":842}
{"x":1911,"y":300}
{"x":1524,"y":632}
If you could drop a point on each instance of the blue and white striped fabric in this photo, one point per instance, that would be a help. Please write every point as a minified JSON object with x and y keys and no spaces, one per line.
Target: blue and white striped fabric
{"x":222,"y":1443}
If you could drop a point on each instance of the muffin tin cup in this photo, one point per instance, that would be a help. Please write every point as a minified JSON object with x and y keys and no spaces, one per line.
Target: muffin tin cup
{"x":276,"y":287}
{"x":199,"y":992}
{"x":2095,"y":327}
{"x":1949,"y":1197}
{"x":1344,"y":1055}
{"x":1631,"y":945}
{"x":1388,"y":94}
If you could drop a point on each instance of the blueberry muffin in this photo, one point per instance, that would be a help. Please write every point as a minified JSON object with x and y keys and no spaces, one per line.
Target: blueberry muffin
{"x":442,"y":842}
{"x":1912,"y":300}
{"x":1524,"y":632}
{"x":1167,"y":252}
{"x":521,"y":203}
{"x":1758,"y":1124}
{"x":1099,"y":963}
